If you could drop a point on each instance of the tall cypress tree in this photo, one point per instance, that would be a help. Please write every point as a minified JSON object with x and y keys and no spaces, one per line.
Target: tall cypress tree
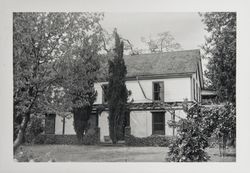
{"x":117,"y":91}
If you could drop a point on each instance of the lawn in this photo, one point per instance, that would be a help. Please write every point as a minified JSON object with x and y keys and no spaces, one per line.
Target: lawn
{"x":76,"y":153}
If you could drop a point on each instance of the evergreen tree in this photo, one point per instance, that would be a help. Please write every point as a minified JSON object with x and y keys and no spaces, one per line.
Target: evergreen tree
{"x":220,"y":50}
{"x":117,"y":91}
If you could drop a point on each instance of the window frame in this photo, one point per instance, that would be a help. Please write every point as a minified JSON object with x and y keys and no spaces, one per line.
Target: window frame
{"x":160,"y":92}
{"x":154,"y":132}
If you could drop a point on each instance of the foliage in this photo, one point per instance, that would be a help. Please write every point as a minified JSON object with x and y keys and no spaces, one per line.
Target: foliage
{"x":117,"y":92}
{"x":220,"y":51}
{"x":43,"y":42}
{"x":81,"y":116}
{"x":191,"y":142}
{"x":201,"y":124}
{"x":36,"y":38}
{"x":79,"y":70}
{"x":34,"y":128}
{"x":226,"y":127}
{"x":221,"y":123}
{"x":163,"y":42}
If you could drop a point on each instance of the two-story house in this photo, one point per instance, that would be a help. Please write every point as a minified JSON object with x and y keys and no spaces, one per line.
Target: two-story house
{"x":152,"y":78}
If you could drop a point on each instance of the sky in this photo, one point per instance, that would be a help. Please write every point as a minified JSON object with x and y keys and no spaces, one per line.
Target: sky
{"x":187,"y":28}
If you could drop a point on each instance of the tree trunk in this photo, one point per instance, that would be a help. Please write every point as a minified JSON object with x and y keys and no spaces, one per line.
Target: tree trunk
{"x":21,"y":132}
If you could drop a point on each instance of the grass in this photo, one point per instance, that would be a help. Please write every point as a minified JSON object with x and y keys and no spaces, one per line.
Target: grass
{"x":83,"y":153}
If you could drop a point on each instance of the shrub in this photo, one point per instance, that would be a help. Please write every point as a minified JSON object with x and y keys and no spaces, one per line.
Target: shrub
{"x":50,"y":139}
{"x":154,"y":140}
{"x":190,"y":143}
{"x":34,"y":128}
{"x":40,"y":139}
{"x":81,"y":116}
{"x":195,"y":132}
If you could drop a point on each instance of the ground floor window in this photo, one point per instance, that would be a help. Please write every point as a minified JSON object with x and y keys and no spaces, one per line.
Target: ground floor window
{"x":158,"y":123}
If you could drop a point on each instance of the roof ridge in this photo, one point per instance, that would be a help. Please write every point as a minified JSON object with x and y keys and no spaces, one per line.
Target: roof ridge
{"x":188,"y":50}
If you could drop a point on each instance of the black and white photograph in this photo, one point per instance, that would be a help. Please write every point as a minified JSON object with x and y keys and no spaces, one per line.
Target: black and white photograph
{"x":94,"y":87}
{"x":124,"y":87}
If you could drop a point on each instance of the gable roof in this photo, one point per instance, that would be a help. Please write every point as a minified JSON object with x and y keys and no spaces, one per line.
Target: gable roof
{"x":162,"y":63}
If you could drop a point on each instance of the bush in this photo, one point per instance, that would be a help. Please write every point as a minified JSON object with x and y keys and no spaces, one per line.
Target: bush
{"x":70,"y":139}
{"x":189,"y":146}
{"x":40,"y":139}
{"x":201,"y":126}
{"x":191,"y":142}
{"x":154,"y":140}
{"x":34,"y":128}
{"x":50,"y":139}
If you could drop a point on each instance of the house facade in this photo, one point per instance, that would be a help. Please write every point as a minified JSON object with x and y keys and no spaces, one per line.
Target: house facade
{"x":159,"y":83}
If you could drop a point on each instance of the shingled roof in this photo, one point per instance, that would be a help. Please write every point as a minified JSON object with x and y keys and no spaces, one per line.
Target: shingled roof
{"x":162,"y":63}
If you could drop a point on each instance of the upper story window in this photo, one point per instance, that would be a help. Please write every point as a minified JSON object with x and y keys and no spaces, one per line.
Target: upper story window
{"x":158,"y":91}
{"x":104,"y":93}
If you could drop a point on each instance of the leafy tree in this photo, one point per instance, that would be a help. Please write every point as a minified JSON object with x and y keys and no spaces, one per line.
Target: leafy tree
{"x":78,"y":70}
{"x":220,"y":50}
{"x":108,"y":42}
{"x":40,"y":40}
{"x":129,"y":48}
{"x":201,"y":124}
{"x":36,"y":38}
{"x":163,"y":42}
{"x":117,"y":92}
{"x":79,"y":74}
{"x":191,"y":142}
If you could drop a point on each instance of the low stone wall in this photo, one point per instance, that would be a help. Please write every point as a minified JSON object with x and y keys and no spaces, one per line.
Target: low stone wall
{"x":154,"y":140}
{"x":88,"y":139}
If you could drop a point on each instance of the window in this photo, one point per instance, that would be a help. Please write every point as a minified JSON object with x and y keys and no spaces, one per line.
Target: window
{"x":50,"y":124}
{"x":158,"y":123}
{"x":158,"y":91}
{"x":104,"y":93}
